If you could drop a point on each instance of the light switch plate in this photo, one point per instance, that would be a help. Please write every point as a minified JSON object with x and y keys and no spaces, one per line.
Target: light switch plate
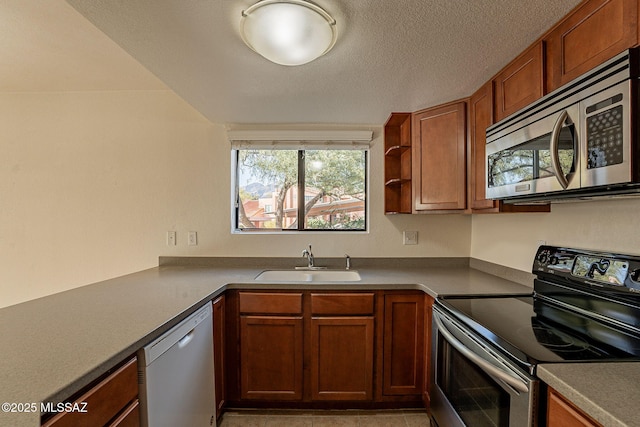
{"x":171,"y":238}
{"x":410,"y":237}
{"x":192,"y":238}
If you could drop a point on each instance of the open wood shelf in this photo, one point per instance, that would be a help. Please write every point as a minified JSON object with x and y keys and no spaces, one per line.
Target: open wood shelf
{"x":397,"y":164}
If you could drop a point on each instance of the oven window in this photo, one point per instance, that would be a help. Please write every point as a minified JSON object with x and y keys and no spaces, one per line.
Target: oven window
{"x":531,"y":160}
{"x":475,"y":396}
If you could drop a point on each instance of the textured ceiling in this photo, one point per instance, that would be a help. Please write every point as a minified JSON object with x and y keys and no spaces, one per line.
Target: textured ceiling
{"x":391,"y":55}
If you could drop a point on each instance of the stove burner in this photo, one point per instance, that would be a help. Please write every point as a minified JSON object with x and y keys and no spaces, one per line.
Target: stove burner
{"x":556,"y":340}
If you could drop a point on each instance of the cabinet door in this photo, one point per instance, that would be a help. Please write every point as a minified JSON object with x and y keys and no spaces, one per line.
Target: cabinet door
{"x":342,"y":358}
{"x":271,"y":357}
{"x":428,"y":310}
{"x":439,"y":162}
{"x":562,"y":413}
{"x":593,"y":33}
{"x":403,"y":347}
{"x":480,"y":117}
{"x":519,"y":83}
{"x":218,"y":353}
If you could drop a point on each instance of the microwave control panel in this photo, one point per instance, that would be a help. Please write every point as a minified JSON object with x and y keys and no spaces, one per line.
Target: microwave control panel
{"x":604,"y":133}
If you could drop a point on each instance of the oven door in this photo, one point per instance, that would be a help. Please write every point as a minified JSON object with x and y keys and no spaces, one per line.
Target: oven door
{"x":472,"y":385}
{"x":535,"y":158}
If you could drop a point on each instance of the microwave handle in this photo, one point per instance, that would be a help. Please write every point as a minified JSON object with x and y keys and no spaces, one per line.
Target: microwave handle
{"x":490,"y":369}
{"x":554,"y":146}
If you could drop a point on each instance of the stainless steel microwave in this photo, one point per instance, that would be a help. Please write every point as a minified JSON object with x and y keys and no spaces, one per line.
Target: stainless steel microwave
{"x":579,"y":141}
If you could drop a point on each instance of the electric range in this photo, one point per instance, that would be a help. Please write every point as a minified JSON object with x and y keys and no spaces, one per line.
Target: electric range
{"x":585,"y":307}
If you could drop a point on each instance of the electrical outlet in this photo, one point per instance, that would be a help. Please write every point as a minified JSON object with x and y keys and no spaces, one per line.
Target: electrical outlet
{"x":171,"y":238}
{"x":193,"y":238}
{"x":409,"y":237}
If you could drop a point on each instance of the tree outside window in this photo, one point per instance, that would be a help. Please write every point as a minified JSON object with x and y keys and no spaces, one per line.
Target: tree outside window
{"x":301,"y":189}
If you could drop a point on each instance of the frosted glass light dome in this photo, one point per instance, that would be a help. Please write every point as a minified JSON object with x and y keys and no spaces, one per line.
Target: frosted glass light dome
{"x":288,"y":32}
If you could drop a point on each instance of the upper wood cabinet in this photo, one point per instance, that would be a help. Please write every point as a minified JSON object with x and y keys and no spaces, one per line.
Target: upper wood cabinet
{"x":480,"y":117}
{"x":519,"y":83}
{"x":397,"y":164}
{"x":594,"y":32}
{"x":439,"y":158}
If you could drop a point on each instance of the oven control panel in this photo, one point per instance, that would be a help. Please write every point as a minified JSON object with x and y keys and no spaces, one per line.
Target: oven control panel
{"x":588,"y":267}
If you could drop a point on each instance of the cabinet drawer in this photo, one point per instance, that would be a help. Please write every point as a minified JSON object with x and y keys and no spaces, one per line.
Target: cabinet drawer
{"x":350,"y":304}
{"x":270,"y":303}
{"x":130,"y":417}
{"x":104,"y":401}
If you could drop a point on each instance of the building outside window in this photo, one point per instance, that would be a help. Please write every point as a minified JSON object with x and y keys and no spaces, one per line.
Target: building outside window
{"x":314,"y":187}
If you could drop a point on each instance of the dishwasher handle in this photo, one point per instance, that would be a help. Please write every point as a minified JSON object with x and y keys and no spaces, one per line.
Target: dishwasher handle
{"x":184,"y":341}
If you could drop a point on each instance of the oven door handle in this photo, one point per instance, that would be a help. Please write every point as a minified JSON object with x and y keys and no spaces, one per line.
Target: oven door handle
{"x":490,"y":369}
{"x":554,"y":149}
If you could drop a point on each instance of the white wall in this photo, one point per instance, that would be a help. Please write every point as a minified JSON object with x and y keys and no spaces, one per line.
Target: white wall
{"x":88,"y":180}
{"x":91,"y":181}
{"x":512,"y":239}
{"x":438,"y":235}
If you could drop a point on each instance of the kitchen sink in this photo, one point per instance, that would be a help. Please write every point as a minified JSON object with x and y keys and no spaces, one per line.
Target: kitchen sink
{"x":308,"y":276}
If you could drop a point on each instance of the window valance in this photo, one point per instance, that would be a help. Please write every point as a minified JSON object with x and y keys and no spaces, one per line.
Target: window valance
{"x":300,"y":139}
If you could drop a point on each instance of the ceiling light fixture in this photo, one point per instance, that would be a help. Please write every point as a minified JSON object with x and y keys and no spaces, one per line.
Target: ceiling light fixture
{"x":288,"y":32}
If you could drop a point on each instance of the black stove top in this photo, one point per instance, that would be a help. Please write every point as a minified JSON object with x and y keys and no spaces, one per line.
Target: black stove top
{"x":585,"y":307}
{"x":512,"y":324}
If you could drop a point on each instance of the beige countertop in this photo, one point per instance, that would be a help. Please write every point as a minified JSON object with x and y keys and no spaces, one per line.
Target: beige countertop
{"x":608,"y":392}
{"x":54,"y":346}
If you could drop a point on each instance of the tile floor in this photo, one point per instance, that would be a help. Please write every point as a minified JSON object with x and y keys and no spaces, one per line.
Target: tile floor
{"x":351,"y":418}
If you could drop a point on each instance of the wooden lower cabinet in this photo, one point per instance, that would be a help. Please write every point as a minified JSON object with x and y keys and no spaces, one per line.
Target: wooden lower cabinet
{"x":271,"y":357}
{"x":403,"y":348}
{"x":332,"y":349}
{"x":309,"y":349}
{"x":562,"y":413}
{"x":218,"y":353}
{"x":342,"y":358}
{"x":112,"y":402}
{"x":428,"y":311}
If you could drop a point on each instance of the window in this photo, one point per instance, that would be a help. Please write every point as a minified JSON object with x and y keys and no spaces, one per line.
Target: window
{"x":303,"y":189}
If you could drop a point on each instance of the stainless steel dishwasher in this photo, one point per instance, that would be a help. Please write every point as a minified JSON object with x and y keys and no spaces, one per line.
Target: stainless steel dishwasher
{"x":176,"y":375}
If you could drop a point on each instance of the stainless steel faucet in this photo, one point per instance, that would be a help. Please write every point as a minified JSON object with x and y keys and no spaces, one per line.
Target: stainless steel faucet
{"x":309,"y":255}
{"x":347,"y":259}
